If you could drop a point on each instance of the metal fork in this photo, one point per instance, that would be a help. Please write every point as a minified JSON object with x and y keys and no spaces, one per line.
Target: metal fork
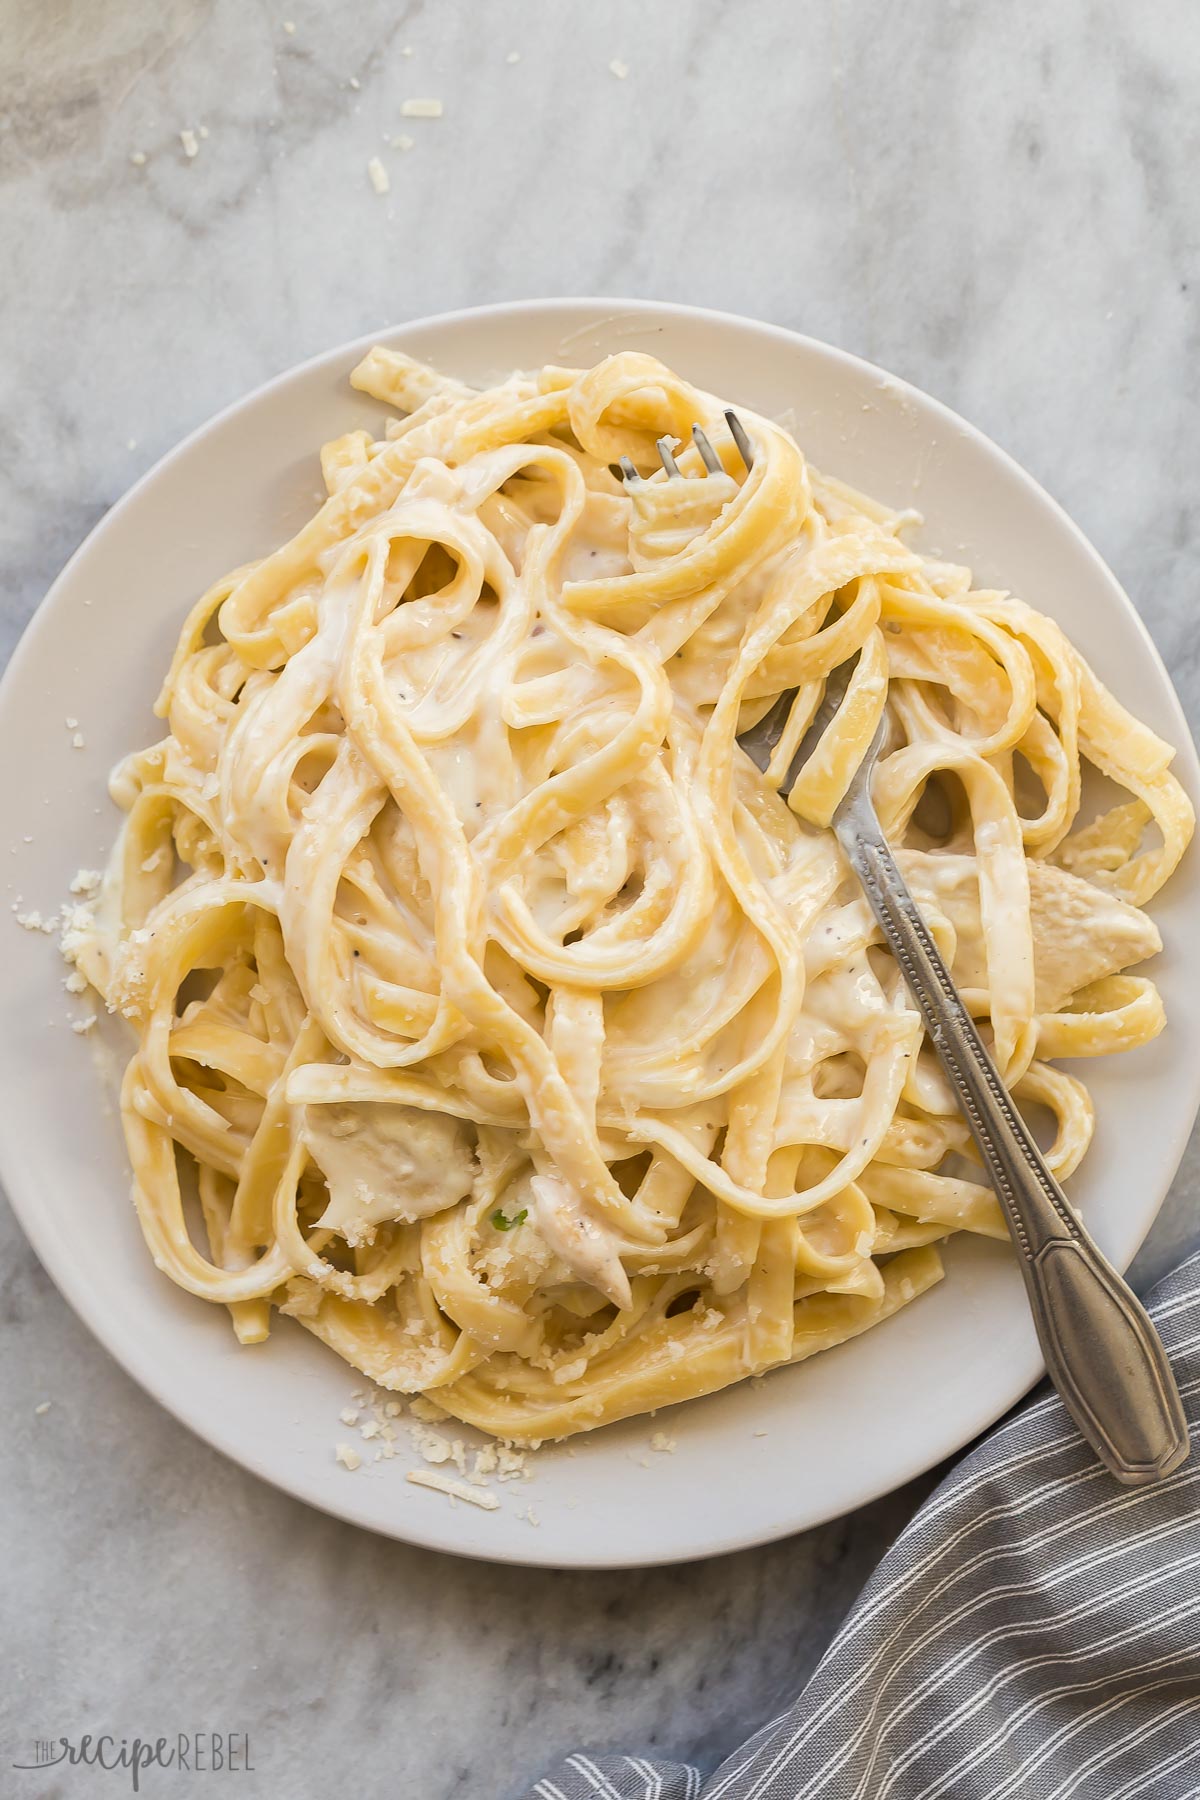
{"x":1101,"y":1349}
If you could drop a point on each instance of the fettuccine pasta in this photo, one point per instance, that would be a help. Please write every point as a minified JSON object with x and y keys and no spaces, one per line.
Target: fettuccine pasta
{"x":498,"y":1019}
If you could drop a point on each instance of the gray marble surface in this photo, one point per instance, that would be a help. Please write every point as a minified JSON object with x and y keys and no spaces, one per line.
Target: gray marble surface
{"x":998,"y":203}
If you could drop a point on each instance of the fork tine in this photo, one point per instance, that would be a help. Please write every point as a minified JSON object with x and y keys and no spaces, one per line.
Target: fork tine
{"x":709,"y":457}
{"x":628,"y":472}
{"x":739,"y":437}
{"x":666,"y":447}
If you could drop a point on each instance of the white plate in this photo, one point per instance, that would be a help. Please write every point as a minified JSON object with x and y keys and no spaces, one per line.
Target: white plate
{"x":755,"y":1462}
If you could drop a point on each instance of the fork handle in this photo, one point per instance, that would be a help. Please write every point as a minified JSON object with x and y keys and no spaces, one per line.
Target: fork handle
{"x":1101,"y":1349}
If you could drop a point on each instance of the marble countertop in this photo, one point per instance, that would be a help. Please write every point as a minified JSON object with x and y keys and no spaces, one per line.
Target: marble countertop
{"x":997,"y":203}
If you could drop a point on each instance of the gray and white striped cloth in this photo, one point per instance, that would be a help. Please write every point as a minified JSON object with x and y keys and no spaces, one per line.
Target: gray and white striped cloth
{"x":1034,"y":1634}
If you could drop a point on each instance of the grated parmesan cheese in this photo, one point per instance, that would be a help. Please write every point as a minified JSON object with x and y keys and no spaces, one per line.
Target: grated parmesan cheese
{"x":430,"y":1445}
{"x":455,"y":1490}
{"x":190,"y":146}
{"x":348,"y":1456}
{"x":33,"y":921}
{"x":421,"y":109}
{"x":619,"y":68}
{"x":485,"y":1463}
{"x":512,"y":1463}
{"x":379,"y":176}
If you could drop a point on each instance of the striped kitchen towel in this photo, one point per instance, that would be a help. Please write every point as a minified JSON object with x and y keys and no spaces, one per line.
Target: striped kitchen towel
{"x":1034,"y":1634}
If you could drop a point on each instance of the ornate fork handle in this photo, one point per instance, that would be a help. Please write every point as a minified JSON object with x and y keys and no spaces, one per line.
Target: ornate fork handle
{"x":1103,"y":1354}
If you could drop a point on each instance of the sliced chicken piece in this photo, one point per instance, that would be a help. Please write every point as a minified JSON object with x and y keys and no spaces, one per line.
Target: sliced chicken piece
{"x":1080,"y":933}
{"x":384,"y":1162}
{"x":588,"y":1248}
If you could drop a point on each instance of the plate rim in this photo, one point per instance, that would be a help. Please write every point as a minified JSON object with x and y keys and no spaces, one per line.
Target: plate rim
{"x":20,"y":1190}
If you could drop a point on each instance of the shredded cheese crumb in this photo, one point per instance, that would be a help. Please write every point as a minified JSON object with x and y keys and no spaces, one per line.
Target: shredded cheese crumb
{"x":348,"y":1456}
{"x":43,"y":1407}
{"x":619,"y":68}
{"x":512,"y":1464}
{"x":349,"y":1415}
{"x":402,"y":141}
{"x":86,"y":882}
{"x":138,"y":159}
{"x":455,"y":1490}
{"x":190,"y":146}
{"x":432,"y":1447}
{"x":663,"y":1443}
{"x":79,"y":1026}
{"x":378,"y":175}
{"x":77,"y":741}
{"x":70,"y":724}
{"x":485,"y":1463}
{"x":421,"y":109}
{"x":75,"y":983}
{"x":289,"y":25}
{"x":514,"y":56}
{"x":33,"y":921}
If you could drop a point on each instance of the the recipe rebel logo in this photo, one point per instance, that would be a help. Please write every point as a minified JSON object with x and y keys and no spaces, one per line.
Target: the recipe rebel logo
{"x":193,"y":1753}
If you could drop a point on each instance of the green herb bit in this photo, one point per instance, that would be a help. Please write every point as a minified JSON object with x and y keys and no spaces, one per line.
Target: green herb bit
{"x":501,"y":1223}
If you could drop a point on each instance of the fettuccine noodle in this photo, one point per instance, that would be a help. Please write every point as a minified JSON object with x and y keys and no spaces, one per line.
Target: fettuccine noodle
{"x":507,"y":1028}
